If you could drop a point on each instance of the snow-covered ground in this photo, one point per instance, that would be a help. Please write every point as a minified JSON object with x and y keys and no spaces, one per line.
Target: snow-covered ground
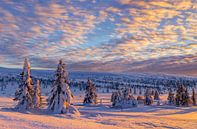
{"x":101,"y":116}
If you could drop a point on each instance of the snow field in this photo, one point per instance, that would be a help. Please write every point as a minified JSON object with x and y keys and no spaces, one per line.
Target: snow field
{"x":100,"y":116}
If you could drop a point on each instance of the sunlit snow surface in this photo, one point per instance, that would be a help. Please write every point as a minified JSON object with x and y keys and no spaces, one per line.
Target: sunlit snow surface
{"x":101,"y":116}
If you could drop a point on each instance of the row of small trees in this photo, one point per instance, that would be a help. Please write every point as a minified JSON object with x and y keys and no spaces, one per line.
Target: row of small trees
{"x":124,"y":98}
{"x":59,"y":101}
{"x":182,"y":97}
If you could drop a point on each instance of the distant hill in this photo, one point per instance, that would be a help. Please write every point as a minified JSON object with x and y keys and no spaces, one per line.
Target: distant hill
{"x":17,"y":71}
{"x":91,"y":74}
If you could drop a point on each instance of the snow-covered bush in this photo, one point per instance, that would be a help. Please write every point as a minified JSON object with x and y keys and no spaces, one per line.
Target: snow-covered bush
{"x":61,"y":96}
{"x":123,"y":99}
{"x":24,"y":93}
{"x":148,"y":97}
{"x":149,"y":100}
{"x":90,"y":93}
{"x":37,"y":95}
{"x":140,"y":99}
{"x":73,"y":110}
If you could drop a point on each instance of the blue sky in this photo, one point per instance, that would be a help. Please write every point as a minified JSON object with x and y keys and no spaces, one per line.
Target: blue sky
{"x":99,"y":35}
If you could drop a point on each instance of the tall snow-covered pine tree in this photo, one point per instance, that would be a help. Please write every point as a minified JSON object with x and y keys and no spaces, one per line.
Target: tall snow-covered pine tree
{"x":25,"y":92}
{"x":61,"y":95}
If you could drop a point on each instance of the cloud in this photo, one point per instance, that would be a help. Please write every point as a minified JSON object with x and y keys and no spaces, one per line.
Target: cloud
{"x":125,"y":1}
{"x":181,"y":65}
{"x":98,"y":33}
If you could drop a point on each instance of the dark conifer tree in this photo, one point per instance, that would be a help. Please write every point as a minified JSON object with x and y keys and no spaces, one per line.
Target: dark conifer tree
{"x":182,"y":97}
{"x":194,"y":97}
{"x":91,"y":96}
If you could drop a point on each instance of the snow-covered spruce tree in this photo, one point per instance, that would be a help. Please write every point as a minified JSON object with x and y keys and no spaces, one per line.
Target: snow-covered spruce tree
{"x":152,"y":92}
{"x":194,"y":97}
{"x":156,"y":95}
{"x":20,"y":87}
{"x":148,"y":97}
{"x":171,"y":98}
{"x":24,"y":93}
{"x":61,"y":96}
{"x":116,"y":98}
{"x":90,"y":93}
{"x":37,"y":95}
{"x":140,"y":91}
{"x":123,"y":99}
{"x":127,"y":94}
{"x":182,"y":97}
{"x":187,"y":101}
{"x":128,"y":99}
{"x":179,"y":94}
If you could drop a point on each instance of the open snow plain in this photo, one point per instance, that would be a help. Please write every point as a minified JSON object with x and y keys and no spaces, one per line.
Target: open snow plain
{"x":101,"y":116}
